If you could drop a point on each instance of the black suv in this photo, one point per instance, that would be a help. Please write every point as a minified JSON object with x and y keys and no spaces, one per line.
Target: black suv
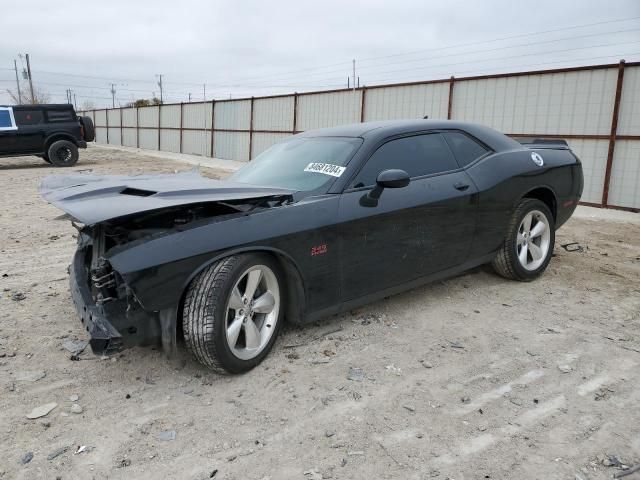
{"x":52,"y":132}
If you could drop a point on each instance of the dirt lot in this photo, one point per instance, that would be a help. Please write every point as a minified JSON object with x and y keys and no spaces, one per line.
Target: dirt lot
{"x":474,"y":377}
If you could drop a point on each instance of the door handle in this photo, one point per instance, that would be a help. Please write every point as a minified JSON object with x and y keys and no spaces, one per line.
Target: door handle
{"x":461,"y":186}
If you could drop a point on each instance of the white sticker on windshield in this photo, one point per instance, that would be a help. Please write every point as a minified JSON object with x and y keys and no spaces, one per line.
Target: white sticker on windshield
{"x":326,"y":168}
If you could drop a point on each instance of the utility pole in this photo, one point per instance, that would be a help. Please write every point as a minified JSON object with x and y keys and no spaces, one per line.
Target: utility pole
{"x":355,"y":99}
{"x":15,"y":66}
{"x":189,"y":97}
{"x":160,"y":85}
{"x":75,"y":102}
{"x":113,"y":95}
{"x":33,"y":100}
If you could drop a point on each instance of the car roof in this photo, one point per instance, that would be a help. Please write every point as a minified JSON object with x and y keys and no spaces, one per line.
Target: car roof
{"x":373,"y":131}
{"x":38,"y":106}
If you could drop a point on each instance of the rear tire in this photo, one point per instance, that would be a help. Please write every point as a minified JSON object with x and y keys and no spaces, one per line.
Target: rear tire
{"x":230,"y":324}
{"x":528,"y":245}
{"x":63,"y":153}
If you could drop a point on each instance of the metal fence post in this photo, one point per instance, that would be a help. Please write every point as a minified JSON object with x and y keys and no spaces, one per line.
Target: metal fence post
{"x":181,"y":109}
{"x":137,"y":127}
{"x":121,"y":142}
{"x":159,"y":126}
{"x":362,"y":97}
{"x":450,"y":105}
{"x":251,"y":129}
{"x":213,"y":120}
{"x":612,"y":136}
{"x":106,"y":120}
{"x":295,"y":112}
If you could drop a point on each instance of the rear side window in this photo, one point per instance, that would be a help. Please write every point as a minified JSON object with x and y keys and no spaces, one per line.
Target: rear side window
{"x":60,"y":115}
{"x":28,"y":117}
{"x":417,"y":155}
{"x":464,"y":147}
{"x":7,"y":122}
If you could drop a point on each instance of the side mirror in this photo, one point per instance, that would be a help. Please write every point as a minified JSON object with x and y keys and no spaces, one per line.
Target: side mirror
{"x":386,"y":179}
{"x":393,"y":179}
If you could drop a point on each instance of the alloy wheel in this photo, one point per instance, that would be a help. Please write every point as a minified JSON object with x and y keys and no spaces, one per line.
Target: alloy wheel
{"x":534,"y":238}
{"x":252,"y":312}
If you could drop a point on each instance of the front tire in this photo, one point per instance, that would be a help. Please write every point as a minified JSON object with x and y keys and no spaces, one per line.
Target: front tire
{"x":528,"y":246}
{"x":63,"y":153}
{"x":233,"y":312}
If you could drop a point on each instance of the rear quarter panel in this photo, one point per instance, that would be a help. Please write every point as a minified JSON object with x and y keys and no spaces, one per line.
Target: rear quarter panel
{"x":504,"y":178}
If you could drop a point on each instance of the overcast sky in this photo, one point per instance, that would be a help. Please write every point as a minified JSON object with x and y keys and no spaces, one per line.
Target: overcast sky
{"x":245,"y":48}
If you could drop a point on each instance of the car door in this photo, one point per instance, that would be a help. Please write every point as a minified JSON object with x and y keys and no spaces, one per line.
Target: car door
{"x":30,"y":123}
{"x":410,"y":232}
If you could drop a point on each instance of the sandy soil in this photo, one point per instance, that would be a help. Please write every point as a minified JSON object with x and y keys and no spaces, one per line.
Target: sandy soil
{"x":470,"y":378}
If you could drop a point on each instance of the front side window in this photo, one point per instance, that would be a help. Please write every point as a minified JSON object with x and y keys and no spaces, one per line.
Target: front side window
{"x":7,"y":121}
{"x":300,"y":164}
{"x":60,"y":115}
{"x":417,"y":155}
{"x":28,"y":117}
{"x":464,"y":147}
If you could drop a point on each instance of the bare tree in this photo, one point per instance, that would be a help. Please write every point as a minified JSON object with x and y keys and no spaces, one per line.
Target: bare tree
{"x":39,"y":95}
{"x":87,"y":105}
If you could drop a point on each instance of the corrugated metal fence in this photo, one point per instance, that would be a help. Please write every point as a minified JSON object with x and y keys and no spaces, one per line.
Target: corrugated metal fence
{"x":595,"y":108}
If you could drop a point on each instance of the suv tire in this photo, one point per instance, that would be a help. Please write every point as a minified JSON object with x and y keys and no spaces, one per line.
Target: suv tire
{"x":63,"y":153}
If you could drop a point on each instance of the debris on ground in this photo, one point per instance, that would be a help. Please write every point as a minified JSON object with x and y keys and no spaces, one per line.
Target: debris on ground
{"x":573,"y":247}
{"x":565,"y":368}
{"x":125,"y":462}
{"x":75,"y":347}
{"x":18,"y":297}
{"x":83,"y":449}
{"x":355,"y":374}
{"x":603,"y":393}
{"x":75,"y":408}
{"x":74,"y":398}
{"x":57,"y":453}
{"x":426,"y":364}
{"x":42,"y":410}
{"x":411,"y":408}
{"x":167,"y":435}
{"x":627,"y":471}
{"x":312,"y":474}
{"x":393,"y":369}
{"x":465,"y":400}
{"x":26,"y":458}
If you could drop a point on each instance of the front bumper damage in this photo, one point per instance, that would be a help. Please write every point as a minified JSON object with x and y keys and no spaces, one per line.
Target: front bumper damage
{"x":113,"y":322}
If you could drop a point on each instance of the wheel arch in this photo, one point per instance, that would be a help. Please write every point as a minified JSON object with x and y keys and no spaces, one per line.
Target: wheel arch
{"x":546,"y":195}
{"x":294,"y":282}
{"x":54,"y":137}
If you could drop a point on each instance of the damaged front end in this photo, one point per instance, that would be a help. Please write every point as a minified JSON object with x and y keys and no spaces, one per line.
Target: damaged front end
{"x":119,"y":214}
{"x":107,"y":307}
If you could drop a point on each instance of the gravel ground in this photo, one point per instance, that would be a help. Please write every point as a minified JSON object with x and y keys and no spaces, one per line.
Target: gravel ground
{"x":474,"y":377}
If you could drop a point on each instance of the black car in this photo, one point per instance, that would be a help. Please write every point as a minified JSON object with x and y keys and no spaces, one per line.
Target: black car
{"x":316,"y":225}
{"x":52,"y":132}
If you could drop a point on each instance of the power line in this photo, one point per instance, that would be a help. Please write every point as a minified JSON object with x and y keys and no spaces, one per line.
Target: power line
{"x":367,"y":59}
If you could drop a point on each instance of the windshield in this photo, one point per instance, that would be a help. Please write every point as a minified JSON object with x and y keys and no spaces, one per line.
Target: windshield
{"x":301,"y":164}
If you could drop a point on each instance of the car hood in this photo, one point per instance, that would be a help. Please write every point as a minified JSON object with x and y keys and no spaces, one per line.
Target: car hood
{"x":92,"y":199}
